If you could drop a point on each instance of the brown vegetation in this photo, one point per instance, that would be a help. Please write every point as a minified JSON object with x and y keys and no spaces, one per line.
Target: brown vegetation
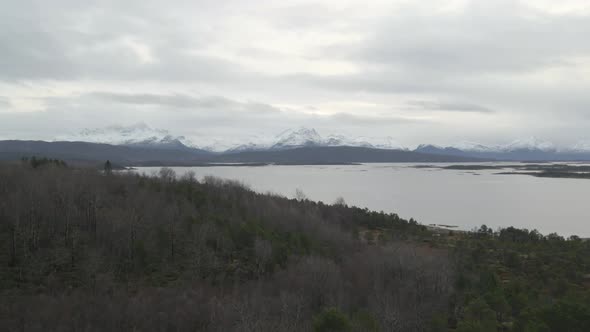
{"x":86,"y":251}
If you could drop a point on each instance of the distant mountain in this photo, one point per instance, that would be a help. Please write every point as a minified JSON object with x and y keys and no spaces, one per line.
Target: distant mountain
{"x":582,"y":147}
{"x":337,"y":154}
{"x":138,"y":156}
{"x":294,"y":138}
{"x":435,"y":149}
{"x":309,"y":137}
{"x":248,"y":147}
{"x":144,"y":137}
{"x":139,"y":135}
{"x":529,"y":144}
{"x":78,"y":151}
{"x":474,"y":147}
{"x":530,"y":149}
{"x":363,"y":141}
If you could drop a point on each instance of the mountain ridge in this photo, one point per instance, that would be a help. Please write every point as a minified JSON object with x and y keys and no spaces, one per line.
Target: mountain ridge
{"x":141,"y":135}
{"x":142,"y":156}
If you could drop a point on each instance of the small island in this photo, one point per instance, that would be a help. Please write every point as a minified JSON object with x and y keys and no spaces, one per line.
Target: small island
{"x":546,"y":170}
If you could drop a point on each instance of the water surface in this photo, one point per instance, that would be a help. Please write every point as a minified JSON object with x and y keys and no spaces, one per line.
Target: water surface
{"x":467,"y":199}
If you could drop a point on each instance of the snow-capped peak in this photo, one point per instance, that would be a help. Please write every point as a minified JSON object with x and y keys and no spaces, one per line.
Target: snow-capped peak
{"x":136,"y":134}
{"x":581,"y":146}
{"x":141,"y":134}
{"x":304,"y":136}
{"x":429,"y":146}
{"x":528,"y":144}
{"x":364,"y":141}
{"x":298,"y":137}
{"x":387,"y":142}
{"x":474,"y":147}
{"x":531,"y":143}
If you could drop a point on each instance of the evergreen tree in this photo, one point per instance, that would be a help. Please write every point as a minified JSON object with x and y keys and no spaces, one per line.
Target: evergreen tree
{"x":108,"y":168}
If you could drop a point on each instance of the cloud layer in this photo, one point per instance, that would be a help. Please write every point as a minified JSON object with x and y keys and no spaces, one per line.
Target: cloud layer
{"x":442,"y":71}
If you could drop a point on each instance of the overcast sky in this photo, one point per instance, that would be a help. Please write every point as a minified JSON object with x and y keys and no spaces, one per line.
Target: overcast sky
{"x":419,"y":71}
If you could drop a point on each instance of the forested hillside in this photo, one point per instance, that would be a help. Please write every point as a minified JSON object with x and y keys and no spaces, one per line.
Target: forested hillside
{"x":86,"y":251}
{"x":83,"y":250}
{"x":137,"y":154}
{"x":520,"y":280}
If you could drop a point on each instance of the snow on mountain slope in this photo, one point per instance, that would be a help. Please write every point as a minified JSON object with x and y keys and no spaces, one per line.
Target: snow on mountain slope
{"x":529,"y":144}
{"x":581,"y":147}
{"x":310,"y":137}
{"x":381,"y":142}
{"x":143,"y":135}
{"x":526,"y":144}
{"x":234,"y":144}
{"x":247,"y":147}
{"x":428,"y":146}
{"x":363,"y":141}
{"x":341,"y":140}
{"x":475,"y":147}
{"x":137,"y":134}
{"x":297,"y":137}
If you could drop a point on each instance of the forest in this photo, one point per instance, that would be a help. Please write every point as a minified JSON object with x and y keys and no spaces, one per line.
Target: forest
{"x":98,"y":250}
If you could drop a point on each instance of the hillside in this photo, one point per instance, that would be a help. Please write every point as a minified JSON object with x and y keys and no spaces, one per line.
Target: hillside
{"x":126,"y":155}
{"x":157,"y":156}
{"x":337,"y":154}
{"x":85,"y":250}
{"x":143,"y":136}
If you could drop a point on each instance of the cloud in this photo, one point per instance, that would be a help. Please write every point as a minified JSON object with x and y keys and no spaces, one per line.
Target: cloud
{"x":486,"y":69}
{"x":484,"y":37}
{"x":106,"y":41}
{"x":429,"y":105}
{"x":4,"y":102}
{"x":175,"y":100}
{"x":387,"y":121}
{"x":186,"y":115}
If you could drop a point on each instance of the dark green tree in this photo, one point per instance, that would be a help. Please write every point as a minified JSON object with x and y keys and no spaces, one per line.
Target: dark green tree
{"x":478,"y":317}
{"x":108,"y":167}
{"x":331,"y":320}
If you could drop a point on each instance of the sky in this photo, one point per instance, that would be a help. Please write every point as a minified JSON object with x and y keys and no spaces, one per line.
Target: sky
{"x":438,"y":71}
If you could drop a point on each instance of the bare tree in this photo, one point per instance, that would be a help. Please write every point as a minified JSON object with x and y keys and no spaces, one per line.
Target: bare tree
{"x":300,"y":195}
{"x":340,"y":201}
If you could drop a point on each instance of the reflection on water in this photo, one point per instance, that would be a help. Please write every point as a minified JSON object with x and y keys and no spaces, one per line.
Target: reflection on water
{"x":430,"y":195}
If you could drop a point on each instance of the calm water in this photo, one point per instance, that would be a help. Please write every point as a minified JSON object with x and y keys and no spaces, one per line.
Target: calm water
{"x":467,"y":199}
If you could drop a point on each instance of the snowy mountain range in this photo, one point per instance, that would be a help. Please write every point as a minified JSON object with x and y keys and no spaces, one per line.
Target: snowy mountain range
{"x":309,"y":137}
{"x":141,"y":135}
{"x":527,"y":144}
{"x":529,"y":149}
{"x":135,"y":135}
{"x":582,"y":146}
